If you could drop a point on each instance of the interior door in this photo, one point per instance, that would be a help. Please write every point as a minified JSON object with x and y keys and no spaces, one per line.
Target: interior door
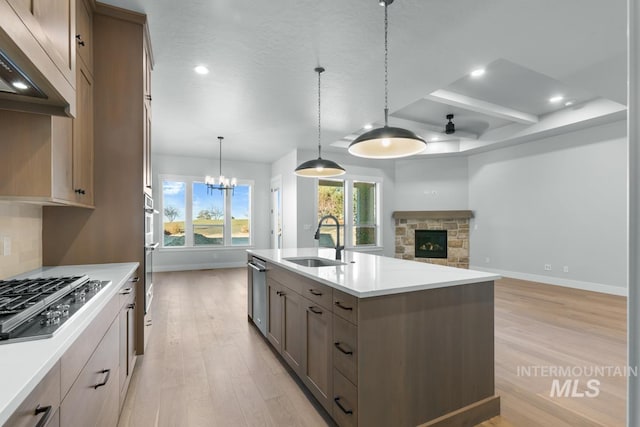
{"x":276,"y":213}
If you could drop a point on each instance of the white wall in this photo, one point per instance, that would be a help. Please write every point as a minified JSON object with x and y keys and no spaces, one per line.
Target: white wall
{"x":559,"y":201}
{"x":431,"y":184}
{"x":199,"y":258}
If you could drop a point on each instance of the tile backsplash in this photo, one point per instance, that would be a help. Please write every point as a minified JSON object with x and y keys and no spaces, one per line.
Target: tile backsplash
{"x":21,"y":225}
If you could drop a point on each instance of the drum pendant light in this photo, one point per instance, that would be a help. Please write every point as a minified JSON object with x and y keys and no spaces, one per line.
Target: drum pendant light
{"x":387,"y":142}
{"x":319,"y":168}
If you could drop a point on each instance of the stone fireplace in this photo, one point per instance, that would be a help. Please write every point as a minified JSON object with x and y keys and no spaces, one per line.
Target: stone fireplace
{"x":437,"y":237}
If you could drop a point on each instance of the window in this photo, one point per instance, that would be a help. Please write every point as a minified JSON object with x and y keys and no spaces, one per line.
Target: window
{"x":174,"y":203}
{"x":331,"y":202}
{"x":195,"y":216}
{"x":207,"y":215}
{"x":355,"y":203}
{"x":365,"y":228}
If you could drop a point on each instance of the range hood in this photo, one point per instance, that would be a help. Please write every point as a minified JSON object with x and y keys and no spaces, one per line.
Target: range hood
{"x":14,"y":80}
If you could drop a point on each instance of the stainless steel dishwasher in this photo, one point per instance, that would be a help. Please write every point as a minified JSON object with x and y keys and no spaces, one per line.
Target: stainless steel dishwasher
{"x":259,"y":292}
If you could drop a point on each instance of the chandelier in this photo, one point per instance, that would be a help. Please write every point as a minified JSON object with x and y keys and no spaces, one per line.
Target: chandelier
{"x":222,"y":183}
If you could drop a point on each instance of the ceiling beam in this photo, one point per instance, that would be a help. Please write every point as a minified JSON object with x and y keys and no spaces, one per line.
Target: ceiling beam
{"x":480,"y":106}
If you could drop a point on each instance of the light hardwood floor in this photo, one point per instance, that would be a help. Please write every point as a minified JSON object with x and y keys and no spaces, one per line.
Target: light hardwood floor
{"x":207,"y":366}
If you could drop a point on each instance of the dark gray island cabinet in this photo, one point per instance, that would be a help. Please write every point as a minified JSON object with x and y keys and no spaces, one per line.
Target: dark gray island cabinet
{"x":420,"y":356}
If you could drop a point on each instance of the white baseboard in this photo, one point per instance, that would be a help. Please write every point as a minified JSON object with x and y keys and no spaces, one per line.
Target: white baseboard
{"x":203,"y":266}
{"x":557,"y":281}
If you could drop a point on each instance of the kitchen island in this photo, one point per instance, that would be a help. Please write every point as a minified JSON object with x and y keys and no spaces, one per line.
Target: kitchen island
{"x":381,"y":341}
{"x":44,"y":370}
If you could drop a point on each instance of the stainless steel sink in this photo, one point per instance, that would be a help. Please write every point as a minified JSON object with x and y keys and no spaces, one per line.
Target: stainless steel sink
{"x":314,"y":262}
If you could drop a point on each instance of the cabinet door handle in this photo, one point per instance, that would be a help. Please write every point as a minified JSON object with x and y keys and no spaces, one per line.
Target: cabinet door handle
{"x":79,"y":38}
{"x":342,"y":408}
{"x":134,"y":279}
{"x":342,"y":350}
{"x":132,"y":306}
{"x":315,"y":310}
{"x":126,"y":291}
{"x":316,"y":293}
{"x":344,"y":307}
{"x":106,"y":378}
{"x":47,"y":413}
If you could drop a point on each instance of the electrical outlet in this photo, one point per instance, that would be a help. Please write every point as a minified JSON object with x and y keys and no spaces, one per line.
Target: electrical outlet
{"x":487,"y":260}
{"x":565,"y":269}
{"x":547,"y":267}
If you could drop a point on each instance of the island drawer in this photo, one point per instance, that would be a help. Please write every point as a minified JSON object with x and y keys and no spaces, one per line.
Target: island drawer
{"x":345,"y":348}
{"x":345,"y":306}
{"x":345,"y":401}
{"x":318,"y":293}
{"x":284,"y":277}
{"x":41,"y":403}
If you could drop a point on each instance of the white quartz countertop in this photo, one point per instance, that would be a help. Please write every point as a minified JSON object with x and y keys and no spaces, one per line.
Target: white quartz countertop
{"x":366,"y":275}
{"x":24,"y":364}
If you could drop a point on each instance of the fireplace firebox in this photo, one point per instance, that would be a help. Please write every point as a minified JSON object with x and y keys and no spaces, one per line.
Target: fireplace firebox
{"x":431,"y":244}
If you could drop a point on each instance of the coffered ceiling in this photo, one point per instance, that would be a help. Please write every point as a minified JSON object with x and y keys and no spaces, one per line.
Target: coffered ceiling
{"x":261,"y":90}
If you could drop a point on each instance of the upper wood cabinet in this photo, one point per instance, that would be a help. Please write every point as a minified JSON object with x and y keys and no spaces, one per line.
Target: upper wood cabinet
{"x":37,"y":159}
{"x":39,"y":35}
{"x":83,"y":139}
{"x":84,"y":34}
{"x":50,"y":158}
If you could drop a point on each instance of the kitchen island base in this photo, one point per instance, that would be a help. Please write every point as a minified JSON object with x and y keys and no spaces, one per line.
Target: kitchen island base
{"x":424,"y":357}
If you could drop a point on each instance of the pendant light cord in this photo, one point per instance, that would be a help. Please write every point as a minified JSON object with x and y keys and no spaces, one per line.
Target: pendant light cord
{"x":220,"y":139}
{"x":386,"y":65}
{"x":319,"y":70}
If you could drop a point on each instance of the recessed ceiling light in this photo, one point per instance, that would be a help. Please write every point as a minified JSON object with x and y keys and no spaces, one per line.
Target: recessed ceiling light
{"x":568,"y":103}
{"x":555,"y":99}
{"x":478,"y":72}
{"x":368,"y":126}
{"x":20,"y":85}
{"x":201,"y":69}
{"x":435,"y":138}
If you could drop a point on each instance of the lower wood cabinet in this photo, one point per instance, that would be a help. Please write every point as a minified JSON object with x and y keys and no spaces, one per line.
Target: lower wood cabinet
{"x":345,"y":401}
{"x":394,"y":360}
{"x":94,"y":397}
{"x":87,"y":386}
{"x":41,"y":406}
{"x":284,"y":326}
{"x":317,"y":342}
{"x":127,"y":351}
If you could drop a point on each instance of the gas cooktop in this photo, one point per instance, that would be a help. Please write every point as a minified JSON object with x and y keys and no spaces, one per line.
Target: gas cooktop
{"x":35,"y":308}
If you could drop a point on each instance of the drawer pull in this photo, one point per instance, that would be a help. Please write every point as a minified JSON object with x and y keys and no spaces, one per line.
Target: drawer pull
{"x":342,"y":350}
{"x":134,"y":279}
{"x":126,"y":291}
{"x":132,"y":305}
{"x":106,"y":379}
{"x":345,"y":410}
{"x":315,"y":310}
{"x":45,"y":417}
{"x":316,"y":293}
{"x":344,"y":307}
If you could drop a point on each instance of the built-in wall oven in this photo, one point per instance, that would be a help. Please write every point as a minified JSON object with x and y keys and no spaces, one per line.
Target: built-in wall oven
{"x":150,"y":245}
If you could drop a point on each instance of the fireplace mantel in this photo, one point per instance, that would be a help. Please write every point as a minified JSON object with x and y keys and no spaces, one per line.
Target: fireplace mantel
{"x":432,"y":214}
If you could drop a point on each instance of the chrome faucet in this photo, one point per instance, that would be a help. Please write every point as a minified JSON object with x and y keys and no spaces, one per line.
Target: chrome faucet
{"x":317,"y":235}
